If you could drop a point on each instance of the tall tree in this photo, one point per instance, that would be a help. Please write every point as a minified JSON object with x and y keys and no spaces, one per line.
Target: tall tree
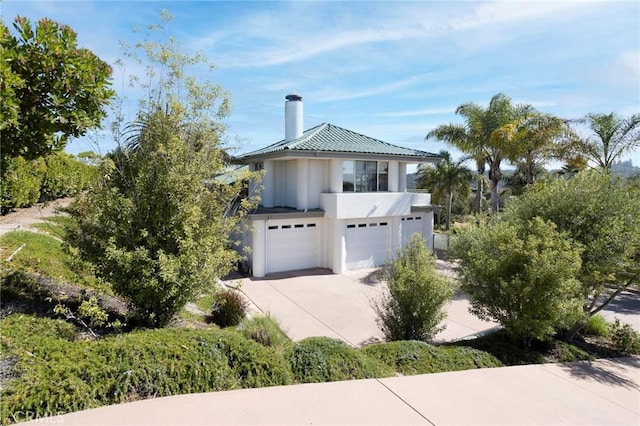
{"x":482,"y":136}
{"x":612,"y":136}
{"x":445,"y":180}
{"x":532,"y":139}
{"x":51,"y":89}
{"x":158,"y":227}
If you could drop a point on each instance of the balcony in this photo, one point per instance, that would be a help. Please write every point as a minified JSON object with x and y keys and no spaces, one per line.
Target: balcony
{"x":352,"y":205}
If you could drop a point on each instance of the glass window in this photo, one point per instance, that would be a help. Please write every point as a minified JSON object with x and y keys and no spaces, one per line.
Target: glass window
{"x":365,"y":176}
{"x":348,"y":176}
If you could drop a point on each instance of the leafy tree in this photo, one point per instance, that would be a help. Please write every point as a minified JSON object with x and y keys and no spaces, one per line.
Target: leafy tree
{"x":612,"y":136}
{"x":599,"y":211}
{"x":482,"y":136}
{"x":51,"y":89}
{"x":158,"y":225}
{"x":446,"y":179}
{"x":522,"y":275}
{"x":412,"y":308}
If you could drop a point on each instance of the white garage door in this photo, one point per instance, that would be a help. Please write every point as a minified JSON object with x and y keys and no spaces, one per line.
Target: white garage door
{"x":367,"y":244}
{"x":411,"y":225}
{"x":293,"y":245}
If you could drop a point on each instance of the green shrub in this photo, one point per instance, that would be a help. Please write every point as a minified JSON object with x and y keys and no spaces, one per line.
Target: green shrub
{"x":596,"y":326}
{"x":322,"y":359}
{"x":20,"y":183}
{"x":504,"y":348}
{"x":414,"y":357}
{"x":412,"y":307}
{"x":253,"y":364}
{"x":265,"y":330}
{"x":566,"y":352}
{"x":522,"y":275}
{"x":59,"y":375}
{"x":624,"y":337}
{"x":229,"y":308}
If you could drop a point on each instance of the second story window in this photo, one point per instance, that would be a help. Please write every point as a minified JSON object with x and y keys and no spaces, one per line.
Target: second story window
{"x":365,"y":176}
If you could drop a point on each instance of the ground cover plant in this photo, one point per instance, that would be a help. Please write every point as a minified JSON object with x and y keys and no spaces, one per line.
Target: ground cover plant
{"x":415,"y":357}
{"x":58,"y":373}
{"x":323,"y":359}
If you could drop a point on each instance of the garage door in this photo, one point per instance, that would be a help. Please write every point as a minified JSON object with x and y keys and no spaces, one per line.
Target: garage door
{"x":411,"y":225}
{"x":293,"y":245}
{"x":367,"y":244}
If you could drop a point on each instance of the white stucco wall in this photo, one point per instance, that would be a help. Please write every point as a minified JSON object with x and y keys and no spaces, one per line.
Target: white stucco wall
{"x":370,"y":204}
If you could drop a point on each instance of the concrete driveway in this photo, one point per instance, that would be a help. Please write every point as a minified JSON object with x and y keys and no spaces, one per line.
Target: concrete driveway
{"x":317,"y":302}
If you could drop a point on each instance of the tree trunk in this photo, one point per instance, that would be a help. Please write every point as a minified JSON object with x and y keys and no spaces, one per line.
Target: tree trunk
{"x":449,"y":204}
{"x":494,"y":196}
{"x":479,"y":191}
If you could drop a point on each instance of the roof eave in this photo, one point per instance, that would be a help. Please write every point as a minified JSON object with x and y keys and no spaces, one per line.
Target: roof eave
{"x":291,"y":154}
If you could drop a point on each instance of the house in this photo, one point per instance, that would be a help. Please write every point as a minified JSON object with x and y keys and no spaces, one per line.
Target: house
{"x":332,"y":198}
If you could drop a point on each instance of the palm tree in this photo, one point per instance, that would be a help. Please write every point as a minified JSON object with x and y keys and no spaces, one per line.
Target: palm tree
{"x":445,"y":180}
{"x":483,"y":135}
{"x":533,"y":139}
{"x":614,"y":137}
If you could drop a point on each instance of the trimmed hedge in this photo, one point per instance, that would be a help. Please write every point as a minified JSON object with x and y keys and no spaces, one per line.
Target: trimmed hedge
{"x":24,"y":183}
{"x":58,"y":374}
{"x":412,"y":357}
{"x":323,"y":359}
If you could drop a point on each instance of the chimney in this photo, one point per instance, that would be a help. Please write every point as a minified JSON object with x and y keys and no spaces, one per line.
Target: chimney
{"x":293,"y":117}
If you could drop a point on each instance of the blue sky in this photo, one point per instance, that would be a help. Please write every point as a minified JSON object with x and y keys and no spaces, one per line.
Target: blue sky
{"x":390,"y":70}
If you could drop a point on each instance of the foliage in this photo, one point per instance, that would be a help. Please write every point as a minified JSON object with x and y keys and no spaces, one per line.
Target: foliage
{"x":43,"y":254}
{"x":58,"y":374}
{"x":52,"y":89}
{"x":323,"y":359}
{"x":532,"y":139}
{"x":20,"y":182}
{"x":157,"y":226}
{"x":412,"y":307}
{"x":596,"y":326}
{"x":413,"y":357}
{"x":265,"y":330}
{"x":611,"y":137}
{"x":600,"y":211}
{"x":521,"y":275}
{"x":58,"y":175}
{"x":446,"y":180}
{"x":510,"y":352}
{"x":56,"y":225}
{"x":229,"y":308}
{"x":482,"y":135}
{"x":65,"y":177}
{"x":624,"y":337}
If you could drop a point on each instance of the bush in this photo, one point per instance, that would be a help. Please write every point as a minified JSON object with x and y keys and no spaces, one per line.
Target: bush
{"x":20,"y":183}
{"x":522,"y":275}
{"x":414,"y":357}
{"x":596,"y":326}
{"x":265,"y":330}
{"x":59,"y":375}
{"x":412,"y":307}
{"x":624,"y":337}
{"x":64,"y":177}
{"x":323,"y":359}
{"x":229,"y":308}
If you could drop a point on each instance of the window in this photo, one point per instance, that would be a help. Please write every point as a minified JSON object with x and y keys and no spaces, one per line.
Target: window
{"x":365,"y":176}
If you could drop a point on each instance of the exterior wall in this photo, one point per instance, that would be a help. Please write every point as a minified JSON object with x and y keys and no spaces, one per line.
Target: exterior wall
{"x":290,"y":183}
{"x":371,"y":204}
{"x":316,"y":182}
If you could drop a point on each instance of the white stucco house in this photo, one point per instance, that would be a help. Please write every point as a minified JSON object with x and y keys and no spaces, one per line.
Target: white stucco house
{"x":332,"y":198}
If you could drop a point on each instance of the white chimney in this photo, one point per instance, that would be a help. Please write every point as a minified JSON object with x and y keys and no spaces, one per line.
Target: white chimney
{"x":293,"y":117}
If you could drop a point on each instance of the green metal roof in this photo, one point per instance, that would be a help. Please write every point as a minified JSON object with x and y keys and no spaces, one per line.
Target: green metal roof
{"x":328,"y":138}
